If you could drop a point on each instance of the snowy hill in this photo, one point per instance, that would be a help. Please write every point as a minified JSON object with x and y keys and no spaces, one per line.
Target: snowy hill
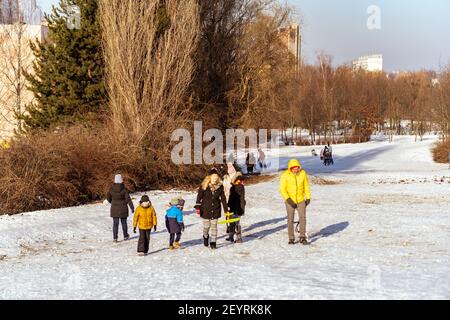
{"x":379,"y":223}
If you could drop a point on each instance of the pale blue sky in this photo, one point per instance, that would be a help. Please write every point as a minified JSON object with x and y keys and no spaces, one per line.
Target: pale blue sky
{"x":414,"y":34}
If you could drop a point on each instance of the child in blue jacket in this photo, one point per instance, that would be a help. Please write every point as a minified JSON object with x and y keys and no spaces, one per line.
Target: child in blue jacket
{"x":174,"y":222}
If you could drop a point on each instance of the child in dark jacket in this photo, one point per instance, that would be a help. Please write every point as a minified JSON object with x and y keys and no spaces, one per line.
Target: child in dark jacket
{"x":174,"y":222}
{"x":236,"y":205}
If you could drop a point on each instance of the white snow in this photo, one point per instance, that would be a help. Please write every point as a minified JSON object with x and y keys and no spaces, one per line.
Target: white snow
{"x":381,"y":232}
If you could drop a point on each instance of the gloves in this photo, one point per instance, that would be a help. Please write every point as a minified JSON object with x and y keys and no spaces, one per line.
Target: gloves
{"x":181,"y":224}
{"x":291,"y":203}
{"x":307,"y":202}
{"x":134,"y":230}
{"x":154,"y":229}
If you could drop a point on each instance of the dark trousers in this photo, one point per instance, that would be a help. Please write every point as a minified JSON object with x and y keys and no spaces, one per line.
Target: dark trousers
{"x":174,"y":239}
{"x":116,"y":227}
{"x":234,"y":228}
{"x":144,"y":241}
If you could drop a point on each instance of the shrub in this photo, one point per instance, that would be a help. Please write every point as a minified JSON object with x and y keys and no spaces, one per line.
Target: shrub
{"x":441,"y":150}
{"x":75,"y":166}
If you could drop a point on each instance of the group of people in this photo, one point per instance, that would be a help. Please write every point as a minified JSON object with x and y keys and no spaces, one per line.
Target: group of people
{"x":217,"y":195}
{"x":326,"y":155}
{"x":250,"y":161}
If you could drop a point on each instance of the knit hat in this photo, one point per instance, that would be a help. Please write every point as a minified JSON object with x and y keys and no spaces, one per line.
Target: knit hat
{"x":144,"y":198}
{"x":145,"y":201}
{"x":118,"y":178}
{"x":177,"y":202}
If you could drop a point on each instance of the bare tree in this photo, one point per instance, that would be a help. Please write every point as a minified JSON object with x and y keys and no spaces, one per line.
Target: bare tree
{"x":15,"y":58}
{"x":148,"y":50}
{"x":441,"y":103}
{"x":264,"y":75}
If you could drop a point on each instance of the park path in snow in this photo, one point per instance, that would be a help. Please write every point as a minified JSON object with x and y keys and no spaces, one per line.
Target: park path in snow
{"x":379,"y":224}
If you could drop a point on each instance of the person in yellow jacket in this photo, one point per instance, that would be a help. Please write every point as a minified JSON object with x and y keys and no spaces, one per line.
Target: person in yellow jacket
{"x":294,"y":188}
{"x":145,"y":219}
{"x":5,"y":145}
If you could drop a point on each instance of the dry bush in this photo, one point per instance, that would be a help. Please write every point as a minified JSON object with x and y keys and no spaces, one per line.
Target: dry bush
{"x":441,"y":152}
{"x":257,"y":179}
{"x":76,"y":166}
{"x":50,"y":171}
{"x":322,"y":181}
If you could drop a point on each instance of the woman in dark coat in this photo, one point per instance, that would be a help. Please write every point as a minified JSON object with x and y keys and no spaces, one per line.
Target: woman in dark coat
{"x":210,"y":202}
{"x":120,"y":199}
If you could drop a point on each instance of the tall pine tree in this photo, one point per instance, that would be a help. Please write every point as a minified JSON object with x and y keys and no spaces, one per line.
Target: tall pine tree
{"x":68,"y":76}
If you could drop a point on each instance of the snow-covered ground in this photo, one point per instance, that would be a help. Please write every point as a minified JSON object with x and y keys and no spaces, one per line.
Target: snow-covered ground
{"x":381,"y":230}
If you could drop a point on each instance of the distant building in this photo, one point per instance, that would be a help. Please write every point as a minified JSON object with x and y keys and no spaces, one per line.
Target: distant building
{"x":291,"y":36}
{"x":371,"y":63}
{"x":25,"y":11}
{"x":15,"y":50}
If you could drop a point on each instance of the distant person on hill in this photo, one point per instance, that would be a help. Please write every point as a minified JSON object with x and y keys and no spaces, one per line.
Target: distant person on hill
{"x":328,"y":154}
{"x":120,"y":200}
{"x":231,"y":158}
{"x":294,"y":187}
{"x":250,"y":162}
{"x":329,"y":147}
{"x":262,"y":159}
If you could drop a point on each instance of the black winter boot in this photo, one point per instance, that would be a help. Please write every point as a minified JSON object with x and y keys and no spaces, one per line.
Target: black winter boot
{"x":213,"y":245}
{"x":206,"y":241}
{"x":230,"y":238}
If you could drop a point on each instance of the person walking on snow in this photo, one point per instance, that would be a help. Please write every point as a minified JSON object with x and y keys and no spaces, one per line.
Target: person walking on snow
{"x":120,"y":199}
{"x":329,"y":147}
{"x":144,"y":219}
{"x":250,"y":161}
{"x":262,"y":159}
{"x":174,"y":222}
{"x":210,"y":201}
{"x":235,"y":194}
{"x":228,"y":178}
{"x":294,"y":187}
{"x":327,"y":155}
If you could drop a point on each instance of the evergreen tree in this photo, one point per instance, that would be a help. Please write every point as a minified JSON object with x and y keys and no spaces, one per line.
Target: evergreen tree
{"x":68,"y":76}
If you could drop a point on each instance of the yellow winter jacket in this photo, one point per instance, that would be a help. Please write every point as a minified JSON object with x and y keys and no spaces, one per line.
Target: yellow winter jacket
{"x":294,"y":186}
{"x":144,"y":218}
{"x":4,"y":145}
